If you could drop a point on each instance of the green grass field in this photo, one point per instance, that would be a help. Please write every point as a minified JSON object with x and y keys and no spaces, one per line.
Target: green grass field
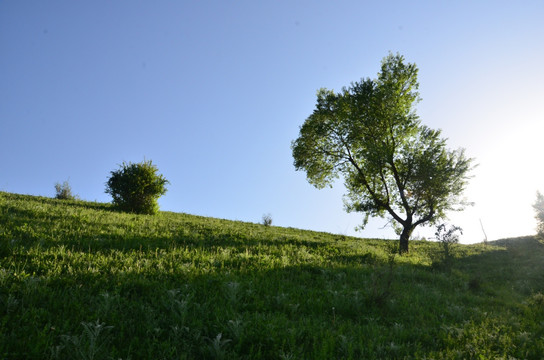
{"x":79,"y":280}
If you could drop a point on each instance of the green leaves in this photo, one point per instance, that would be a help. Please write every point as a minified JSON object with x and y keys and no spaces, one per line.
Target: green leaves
{"x":370,"y":134}
{"x":136,"y":187}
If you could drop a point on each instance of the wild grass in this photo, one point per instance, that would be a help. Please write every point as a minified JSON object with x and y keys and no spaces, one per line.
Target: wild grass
{"x":81,"y":281}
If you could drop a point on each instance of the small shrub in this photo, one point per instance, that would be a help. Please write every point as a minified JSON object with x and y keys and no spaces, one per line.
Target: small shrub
{"x":136,"y":187}
{"x":217,"y":346}
{"x":64,"y":191}
{"x":447,"y":238}
{"x":92,"y":343}
{"x":539,"y":210}
{"x":537,"y":300}
{"x":267,"y":220}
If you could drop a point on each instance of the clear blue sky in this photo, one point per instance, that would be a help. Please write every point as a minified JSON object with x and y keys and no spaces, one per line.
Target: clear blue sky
{"x":213,"y":92}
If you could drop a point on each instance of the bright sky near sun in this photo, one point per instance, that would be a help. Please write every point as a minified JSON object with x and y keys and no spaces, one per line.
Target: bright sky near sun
{"x":213,"y":92}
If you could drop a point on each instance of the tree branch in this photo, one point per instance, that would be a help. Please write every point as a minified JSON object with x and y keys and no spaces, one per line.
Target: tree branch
{"x":376,"y":199}
{"x":401,"y":188}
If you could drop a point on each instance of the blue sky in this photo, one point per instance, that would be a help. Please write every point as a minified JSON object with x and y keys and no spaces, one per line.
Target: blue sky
{"x":213,"y":92}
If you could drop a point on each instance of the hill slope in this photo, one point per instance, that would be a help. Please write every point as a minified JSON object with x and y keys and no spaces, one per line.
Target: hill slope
{"x":79,"y":280}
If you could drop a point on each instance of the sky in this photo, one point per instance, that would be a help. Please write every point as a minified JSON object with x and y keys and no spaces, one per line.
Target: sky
{"x":214,"y":92}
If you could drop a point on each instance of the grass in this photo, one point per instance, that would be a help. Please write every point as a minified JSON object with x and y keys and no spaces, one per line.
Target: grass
{"x":81,"y":281}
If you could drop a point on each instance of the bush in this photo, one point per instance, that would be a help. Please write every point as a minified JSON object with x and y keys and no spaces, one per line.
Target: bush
{"x":136,"y":187}
{"x":539,"y":210}
{"x":64,"y":191}
{"x":267,"y":220}
{"x":447,"y":239}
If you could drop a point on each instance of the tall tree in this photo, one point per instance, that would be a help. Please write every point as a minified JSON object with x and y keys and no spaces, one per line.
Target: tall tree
{"x":392,"y":165}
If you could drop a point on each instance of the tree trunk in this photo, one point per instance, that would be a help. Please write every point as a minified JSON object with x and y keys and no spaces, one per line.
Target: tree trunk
{"x":404,"y":237}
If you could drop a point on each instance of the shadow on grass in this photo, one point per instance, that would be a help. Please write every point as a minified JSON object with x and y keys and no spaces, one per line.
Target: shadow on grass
{"x":162,"y":305}
{"x":510,"y":269}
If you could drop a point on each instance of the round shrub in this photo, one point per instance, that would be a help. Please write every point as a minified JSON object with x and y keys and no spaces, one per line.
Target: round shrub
{"x":136,"y":187}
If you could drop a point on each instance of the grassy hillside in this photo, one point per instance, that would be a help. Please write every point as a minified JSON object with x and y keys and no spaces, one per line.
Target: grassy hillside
{"x":81,"y":281}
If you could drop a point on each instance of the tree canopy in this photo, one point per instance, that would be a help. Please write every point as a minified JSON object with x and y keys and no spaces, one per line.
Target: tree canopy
{"x":392,"y":165}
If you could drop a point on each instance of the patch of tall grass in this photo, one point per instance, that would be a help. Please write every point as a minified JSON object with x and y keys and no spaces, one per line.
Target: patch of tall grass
{"x":80,"y":280}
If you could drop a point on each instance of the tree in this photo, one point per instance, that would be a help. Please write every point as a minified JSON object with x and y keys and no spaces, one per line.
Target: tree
{"x":392,"y":165}
{"x":539,"y":210}
{"x":136,"y":187}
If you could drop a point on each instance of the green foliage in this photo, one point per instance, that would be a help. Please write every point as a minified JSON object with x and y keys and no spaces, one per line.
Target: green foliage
{"x":136,"y":187}
{"x":5,"y":248}
{"x":447,"y":238}
{"x":392,"y":165}
{"x":539,"y":213}
{"x":89,"y":345}
{"x":267,"y":220}
{"x":382,"y":279}
{"x":83,"y":281}
{"x":64,"y":191}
